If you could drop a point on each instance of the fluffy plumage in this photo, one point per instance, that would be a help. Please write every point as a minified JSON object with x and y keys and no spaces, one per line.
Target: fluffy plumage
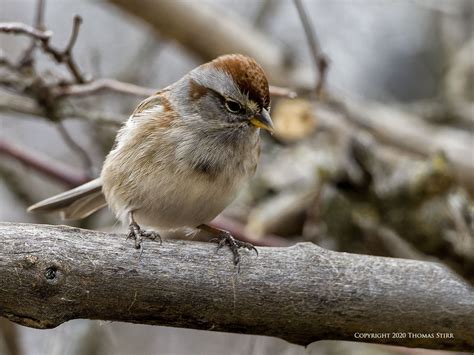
{"x":184,"y":153}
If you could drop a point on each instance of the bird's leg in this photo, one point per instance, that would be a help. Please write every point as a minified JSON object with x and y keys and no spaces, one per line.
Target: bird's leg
{"x":138,"y":234}
{"x":224,"y":237}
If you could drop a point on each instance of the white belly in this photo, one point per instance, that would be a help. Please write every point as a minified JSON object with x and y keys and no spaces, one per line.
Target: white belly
{"x":185,"y":201}
{"x":170,"y":185}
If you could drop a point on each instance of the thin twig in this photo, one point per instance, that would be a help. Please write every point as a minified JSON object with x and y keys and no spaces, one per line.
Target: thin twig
{"x":95,"y":86}
{"x":43,"y":164}
{"x":23,"y":29}
{"x":320,"y":60}
{"x":65,"y":56}
{"x":60,"y":56}
{"x":77,"y":22}
{"x":28,"y":106}
{"x":27,"y":58}
{"x":81,"y":153}
{"x":282,"y":92}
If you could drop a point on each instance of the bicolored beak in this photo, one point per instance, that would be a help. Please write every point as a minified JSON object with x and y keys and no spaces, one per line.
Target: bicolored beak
{"x":263,"y":120}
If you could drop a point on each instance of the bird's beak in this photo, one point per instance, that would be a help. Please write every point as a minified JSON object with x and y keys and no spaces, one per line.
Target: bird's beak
{"x":263,"y":120}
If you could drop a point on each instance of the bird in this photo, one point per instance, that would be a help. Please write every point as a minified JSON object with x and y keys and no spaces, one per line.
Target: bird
{"x":182,"y":156}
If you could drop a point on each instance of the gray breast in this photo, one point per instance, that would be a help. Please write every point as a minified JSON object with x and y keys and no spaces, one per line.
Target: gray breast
{"x":225,"y":154}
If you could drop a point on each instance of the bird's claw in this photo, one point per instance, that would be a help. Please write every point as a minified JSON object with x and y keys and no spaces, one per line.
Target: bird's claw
{"x":138,"y":234}
{"x":234,"y":245}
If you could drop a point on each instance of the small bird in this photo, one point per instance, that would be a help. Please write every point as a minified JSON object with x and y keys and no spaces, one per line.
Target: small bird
{"x":183,"y":155}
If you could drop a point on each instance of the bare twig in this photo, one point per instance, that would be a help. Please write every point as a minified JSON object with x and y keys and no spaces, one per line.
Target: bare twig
{"x":28,"y":106}
{"x":60,"y":56}
{"x":27,"y":58}
{"x":21,"y":28}
{"x":42,"y":164}
{"x":39,"y":18}
{"x":282,"y":92}
{"x":302,"y":293}
{"x":320,"y":60}
{"x":76,"y":148}
{"x":65,"y":56}
{"x":98,"y":85}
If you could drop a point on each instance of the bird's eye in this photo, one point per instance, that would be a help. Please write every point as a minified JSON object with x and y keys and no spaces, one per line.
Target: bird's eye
{"x":233,"y":106}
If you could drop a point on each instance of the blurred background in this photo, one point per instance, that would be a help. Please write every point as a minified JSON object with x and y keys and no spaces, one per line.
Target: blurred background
{"x":380,"y":161}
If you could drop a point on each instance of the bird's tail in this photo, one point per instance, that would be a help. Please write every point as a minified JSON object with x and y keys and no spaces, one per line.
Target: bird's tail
{"x":77,"y":203}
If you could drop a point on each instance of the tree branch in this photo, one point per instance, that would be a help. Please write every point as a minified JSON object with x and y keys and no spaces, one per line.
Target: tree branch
{"x":28,"y":106}
{"x":43,"y":164}
{"x":320,"y":61}
{"x":408,"y":132}
{"x":23,"y":29}
{"x":27,"y":58}
{"x":51,"y":274}
{"x":98,"y":85}
{"x":208,"y":31}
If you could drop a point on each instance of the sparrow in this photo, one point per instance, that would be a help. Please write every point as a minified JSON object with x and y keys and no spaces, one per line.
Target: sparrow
{"x":182,"y":156}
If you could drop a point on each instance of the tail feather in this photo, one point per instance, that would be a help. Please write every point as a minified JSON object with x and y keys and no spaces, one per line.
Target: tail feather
{"x":77,"y":203}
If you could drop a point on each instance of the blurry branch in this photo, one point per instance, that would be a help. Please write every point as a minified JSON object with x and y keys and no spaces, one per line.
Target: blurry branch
{"x":66,"y":175}
{"x":99,"y":85}
{"x":442,"y":110}
{"x":33,"y":84}
{"x":50,"y":96}
{"x":60,"y":56}
{"x":410,"y":204}
{"x":208,"y":31}
{"x":36,"y":95}
{"x":409,"y":133}
{"x":301,"y":294}
{"x":65,"y":56}
{"x":282,"y":92}
{"x":23,"y":29}
{"x":76,"y":148}
{"x":420,"y":193}
{"x":265,"y":11}
{"x":27,"y":59}
{"x":24,"y":105}
{"x":320,"y":60}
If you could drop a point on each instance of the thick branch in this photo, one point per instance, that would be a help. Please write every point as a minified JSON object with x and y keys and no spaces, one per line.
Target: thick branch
{"x":302,"y":294}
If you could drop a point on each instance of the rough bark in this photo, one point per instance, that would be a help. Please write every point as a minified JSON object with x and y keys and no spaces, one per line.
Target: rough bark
{"x":51,"y":274}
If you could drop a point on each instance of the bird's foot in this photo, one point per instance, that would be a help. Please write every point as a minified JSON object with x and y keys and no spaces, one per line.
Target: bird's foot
{"x":138,"y":235}
{"x":234,"y":244}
